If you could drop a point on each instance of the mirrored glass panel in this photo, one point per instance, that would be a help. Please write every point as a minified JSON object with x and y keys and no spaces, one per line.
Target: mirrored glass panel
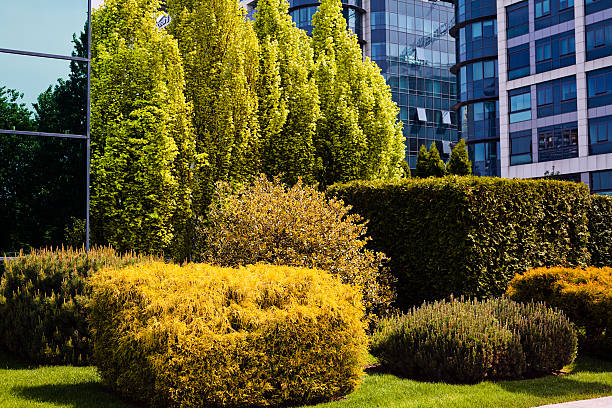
{"x":42,"y":25}
{"x":42,"y":192}
{"x":43,"y":94}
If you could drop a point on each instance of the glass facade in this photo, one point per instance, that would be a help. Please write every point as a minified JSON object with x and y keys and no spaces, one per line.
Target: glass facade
{"x":599,"y":39}
{"x":475,"y":32}
{"x":411,"y":43}
{"x":44,"y":137}
{"x":557,"y":97}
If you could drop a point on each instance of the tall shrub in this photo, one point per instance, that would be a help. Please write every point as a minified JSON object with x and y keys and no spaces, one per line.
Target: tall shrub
{"x":459,"y":163}
{"x":469,"y":235}
{"x":288,"y":95}
{"x":435,"y":164}
{"x":43,"y":303}
{"x":297,"y":226}
{"x":142,"y":142}
{"x":358,"y":136}
{"x":201,"y":336}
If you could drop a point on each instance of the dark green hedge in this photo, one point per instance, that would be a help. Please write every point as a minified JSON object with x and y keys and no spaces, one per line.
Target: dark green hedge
{"x":600,"y":228}
{"x":468,"y":235}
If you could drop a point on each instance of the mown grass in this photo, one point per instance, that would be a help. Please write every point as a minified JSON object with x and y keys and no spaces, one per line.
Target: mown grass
{"x":80,"y":387}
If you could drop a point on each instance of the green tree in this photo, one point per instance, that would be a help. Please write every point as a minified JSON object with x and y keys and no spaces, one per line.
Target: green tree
{"x":288,"y":95}
{"x":142,"y":143}
{"x":435,"y":164}
{"x":406,"y":169}
{"x":422,"y":163}
{"x":459,"y":163}
{"x":220,"y":55}
{"x":358,"y":136}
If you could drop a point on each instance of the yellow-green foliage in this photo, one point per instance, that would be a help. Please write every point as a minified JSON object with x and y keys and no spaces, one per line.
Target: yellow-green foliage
{"x":43,"y":302}
{"x":298,"y":226}
{"x":585,"y":295}
{"x":201,"y":335}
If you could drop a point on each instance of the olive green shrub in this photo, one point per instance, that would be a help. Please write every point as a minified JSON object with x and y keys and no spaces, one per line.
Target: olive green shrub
{"x":600,"y":229}
{"x":43,"y":302}
{"x":202,"y":335}
{"x":470,"y":235}
{"x":469,"y":341}
{"x":297,"y":226}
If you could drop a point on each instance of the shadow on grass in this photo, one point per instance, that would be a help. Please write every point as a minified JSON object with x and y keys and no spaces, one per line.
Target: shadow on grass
{"x":82,"y":395}
{"x":8,"y":362}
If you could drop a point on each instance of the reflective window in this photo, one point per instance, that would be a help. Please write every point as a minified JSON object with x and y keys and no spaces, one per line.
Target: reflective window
{"x":599,"y":87}
{"x":552,"y":12}
{"x":52,"y":91}
{"x":556,"y":97}
{"x":42,"y":25}
{"x":520,"y":105}
{"x":600,"y":135}
{"x":518,"y":19}
{"x":518,"y":61}
{"x":480,"y":120}
{"x":599,"y":39}
{"x":41,"y":204}
{"x":520,"y":147}
{"x":593,"y":6}
{"x":555,"y":52}
{"x":558,"y":142}
{"x":485,"y":158}
{"x":601,"y":182}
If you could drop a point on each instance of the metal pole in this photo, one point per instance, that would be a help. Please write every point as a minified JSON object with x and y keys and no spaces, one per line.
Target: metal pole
{"x":88,"y":122}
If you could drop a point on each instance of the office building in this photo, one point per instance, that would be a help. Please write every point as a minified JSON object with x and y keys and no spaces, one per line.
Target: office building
{"x":555,"y":86}
{"x":411,"y":43}
{"x":44,"y":123}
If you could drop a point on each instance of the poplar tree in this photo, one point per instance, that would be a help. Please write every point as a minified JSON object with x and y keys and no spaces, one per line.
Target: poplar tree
{"x":459,"y":163}
{"x":288,"y":95}
{"x":220,"y":55}
{"x":142,"y":143}
{"x":358,"y":135}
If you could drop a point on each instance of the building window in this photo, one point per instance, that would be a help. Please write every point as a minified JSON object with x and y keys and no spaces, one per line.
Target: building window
{"x":556,"y":97}
{"x":484,"y":157}
{"x":542,"y":8}
{"x":555,"y":52}
{"x":520,"y":147}
{"x":601,"y":182}
{"x":518,"y":19}
{"x":600,"y":135}
{"x":520,"y":105}
{"x":593,"y":6}
{"x":552,"y":12}
{"x":599,"y":40}
{"x":518,"y":61}
{"x":599,"y":87}
{"x":558,"y":142}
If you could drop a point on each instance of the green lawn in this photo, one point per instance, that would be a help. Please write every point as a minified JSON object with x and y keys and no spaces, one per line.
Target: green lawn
{"x":45,"y":387}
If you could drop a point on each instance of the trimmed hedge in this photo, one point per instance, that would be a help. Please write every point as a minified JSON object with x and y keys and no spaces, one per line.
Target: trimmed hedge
{"x":43,"y":300}
{"x":600,"y":228}
{"x":585,"y":295}
{"x":470,"y":235}
{"x":202,"y":335}
{"x":459,"y":341}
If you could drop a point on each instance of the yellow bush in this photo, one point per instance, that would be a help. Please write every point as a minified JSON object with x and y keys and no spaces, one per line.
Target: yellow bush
{"x":202,"y":335}
{"x":585,"y":295}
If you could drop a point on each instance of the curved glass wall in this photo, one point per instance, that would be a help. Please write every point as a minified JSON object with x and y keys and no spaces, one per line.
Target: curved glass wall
{"x":477,"y":81}
{"x":44,"y":138}
{"x":302,"y":12}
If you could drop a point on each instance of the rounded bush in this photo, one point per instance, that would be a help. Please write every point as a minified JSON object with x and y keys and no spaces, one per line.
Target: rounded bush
{"x":584,"y":295}
{"x":43,"y":299}
{"x":201,"y":335}
{"x":469,"y":341}
{"x":272,"y":223}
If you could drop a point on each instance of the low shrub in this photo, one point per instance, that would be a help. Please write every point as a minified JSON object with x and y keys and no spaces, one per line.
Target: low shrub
{"x":469,"y":235}
{"x":585,"y":295}
{"x":469,"y":341}
{"x":203,"y":335}
{"x":271,"y":223}
{"x":600,"y":229}
{"x":43,"y":299}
